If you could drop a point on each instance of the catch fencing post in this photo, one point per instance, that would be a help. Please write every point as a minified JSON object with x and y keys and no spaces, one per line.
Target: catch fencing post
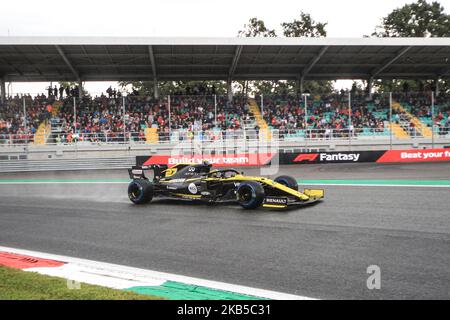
{"x":215,"y":111}
{"x":74,"y":115}
{"x":432,"y":119}
{"x":25,"y":117}
{"x":124,"y":125}
{"x":306,"y":118}
{"x":170,"y":126}
{"x":350,"y":132}
{"x":75,"y":126}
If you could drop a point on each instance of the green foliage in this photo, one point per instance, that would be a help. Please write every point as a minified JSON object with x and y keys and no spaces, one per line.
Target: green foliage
{"x":419,"y":19}
{"x":256,"y":28}
{"x":172,"y":87}
{"x":410,"y":85}
{"x":304,"y":27}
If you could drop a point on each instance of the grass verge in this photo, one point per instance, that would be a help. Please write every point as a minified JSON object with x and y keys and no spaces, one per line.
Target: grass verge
{"x":16,"y":284}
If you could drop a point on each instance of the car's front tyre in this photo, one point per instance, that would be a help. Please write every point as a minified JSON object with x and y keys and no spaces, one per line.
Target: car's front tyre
{"x":287,"y":181}
{"x":250,"y":194}
{"x":140,"y":191}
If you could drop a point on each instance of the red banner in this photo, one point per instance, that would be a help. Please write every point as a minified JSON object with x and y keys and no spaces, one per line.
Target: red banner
{"x":425,"y":155}
{"x":237,"y":160}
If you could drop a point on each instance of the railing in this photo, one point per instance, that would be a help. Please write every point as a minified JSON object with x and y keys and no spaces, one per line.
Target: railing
{"x":66,"y":164}
{"x":217,"y":136}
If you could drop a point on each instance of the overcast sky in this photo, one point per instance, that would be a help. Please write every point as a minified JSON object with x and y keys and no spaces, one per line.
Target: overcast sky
{"x":182,"y":18}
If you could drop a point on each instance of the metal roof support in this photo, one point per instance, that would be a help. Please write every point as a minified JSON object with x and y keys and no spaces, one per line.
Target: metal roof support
{"x":312,"y":63}
{"x":229,"y":90}
{"x":80,"y":89}
{"x":68,"y":63}
{"x":152,"y":61}
{"x":388,"y":63}
{"x":155,"y":89}
{"x":237,"y":55}
{"x":369,"y":87}
{"x":444,"y":73}
{"x":436,"y":84}
{"x":155,"y":79}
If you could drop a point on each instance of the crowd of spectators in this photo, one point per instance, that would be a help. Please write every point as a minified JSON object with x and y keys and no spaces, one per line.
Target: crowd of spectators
{"x":106,"y":119}
{"x":325,"y":115}
{"x":19,"y":127}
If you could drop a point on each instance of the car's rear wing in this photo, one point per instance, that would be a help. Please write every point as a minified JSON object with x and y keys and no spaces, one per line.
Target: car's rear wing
{"x":138,"y":172}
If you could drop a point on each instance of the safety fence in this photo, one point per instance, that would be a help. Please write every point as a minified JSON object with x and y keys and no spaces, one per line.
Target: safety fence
{"x":300,"y":136}
{"x":25,"y":165}
{"x":172,"y":118}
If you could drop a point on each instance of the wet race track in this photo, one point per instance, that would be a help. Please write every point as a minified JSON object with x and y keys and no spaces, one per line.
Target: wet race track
{"x":320,"y":251}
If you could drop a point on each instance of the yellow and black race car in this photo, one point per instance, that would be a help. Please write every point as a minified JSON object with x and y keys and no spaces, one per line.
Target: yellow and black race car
{"x":201,"y":182}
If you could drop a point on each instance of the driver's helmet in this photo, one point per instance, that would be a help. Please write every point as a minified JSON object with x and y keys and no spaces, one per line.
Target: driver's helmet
{"x":215,"y":174}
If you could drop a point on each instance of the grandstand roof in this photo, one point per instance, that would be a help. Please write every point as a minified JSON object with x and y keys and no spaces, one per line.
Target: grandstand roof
{"x":133,"y":58}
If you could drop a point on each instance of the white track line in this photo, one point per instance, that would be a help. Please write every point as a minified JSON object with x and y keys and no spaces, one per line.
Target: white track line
{"x":121,"y":273}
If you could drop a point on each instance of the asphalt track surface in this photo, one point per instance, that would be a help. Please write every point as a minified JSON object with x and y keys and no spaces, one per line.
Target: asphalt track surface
{"x":320,"y":251}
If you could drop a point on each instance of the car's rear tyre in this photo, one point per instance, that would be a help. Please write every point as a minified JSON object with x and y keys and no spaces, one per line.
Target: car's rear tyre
{"x":140,"y":191}
{"x":250,"y":194}
{"x":287,"y":181}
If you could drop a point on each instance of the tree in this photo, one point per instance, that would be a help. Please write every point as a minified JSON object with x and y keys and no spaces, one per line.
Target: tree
{"x":256,"y":28}
{"x":253,"y":29}
{"x":146,"y":88}
{"x":410,"y":85}
{"x":304,"y":27}
{"x":419,"y":19}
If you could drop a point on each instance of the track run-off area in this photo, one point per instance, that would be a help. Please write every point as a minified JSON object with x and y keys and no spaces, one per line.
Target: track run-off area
{"x":394,"y":216}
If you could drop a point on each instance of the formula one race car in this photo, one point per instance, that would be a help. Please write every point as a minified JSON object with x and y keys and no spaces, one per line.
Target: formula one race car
{"x":200,"y":182}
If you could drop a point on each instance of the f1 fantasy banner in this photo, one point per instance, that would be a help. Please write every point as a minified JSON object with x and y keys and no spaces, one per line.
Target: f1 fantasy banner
{"x":260,"y":159}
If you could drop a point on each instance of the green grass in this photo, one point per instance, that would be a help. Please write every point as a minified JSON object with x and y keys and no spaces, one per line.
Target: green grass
{"x":16,"y":284}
